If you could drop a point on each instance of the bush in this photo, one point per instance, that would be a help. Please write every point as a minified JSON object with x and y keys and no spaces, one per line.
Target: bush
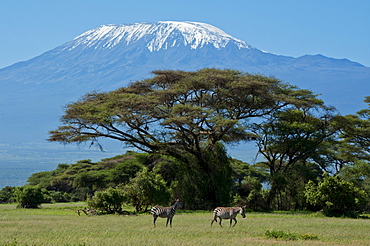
{"x":108,"y":201}
{"x":80,"y":194}
{"x":28,"y":197}
{"x":7,"y":194}
{"x":336,"y":197}
{"x":58,"y":196}
{"x":147,"y":188}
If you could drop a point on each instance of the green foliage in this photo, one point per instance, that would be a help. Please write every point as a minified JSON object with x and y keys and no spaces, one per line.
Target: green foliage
{"x":57,"y":196}
{"x":358,"y":173}
{"x":182,"y":121}
{"x":288,"y":141}
{"x":292,"y":136}
{"x":247,"y":177}
{"x":208,"y":184}
{"x":7,"y":194}
{"x":187,"y":116}
{"x":353,"y":143}
{"x":28,"y":197}
{"x":41,"y":179}
{"x":147,"y":188}
{"x":109,"y":201}
{"x":282,"y":235}
{"x":248,"y":180}
{"x":76,"y":182}
{"x":94,"y":180}
{"x":80,"y":194}
{"x":336,"y":196}
{"x":125,"y":170}
{"x":257,"y":200}
{"x":357,"y":129}
{"x":176,"y":100}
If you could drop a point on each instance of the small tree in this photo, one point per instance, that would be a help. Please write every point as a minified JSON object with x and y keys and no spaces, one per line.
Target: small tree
{"x":336,"y":197}
{"x":108,"y":201}
{"x":28,"y":197}
{"x":147,"y":188}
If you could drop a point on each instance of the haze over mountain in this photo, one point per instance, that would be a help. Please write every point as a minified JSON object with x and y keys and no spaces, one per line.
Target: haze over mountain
{"x":34,"y":92}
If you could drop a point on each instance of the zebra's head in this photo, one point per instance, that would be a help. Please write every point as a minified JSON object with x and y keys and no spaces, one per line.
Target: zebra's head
{"x":178,"y":204}
{"x":241,"y":211}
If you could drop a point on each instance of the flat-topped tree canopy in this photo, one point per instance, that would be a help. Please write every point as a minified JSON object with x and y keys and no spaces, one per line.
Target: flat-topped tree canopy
{"x":179,"y":111}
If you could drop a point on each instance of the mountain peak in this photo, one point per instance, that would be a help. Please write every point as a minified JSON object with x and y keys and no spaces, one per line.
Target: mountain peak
{"x":157,"y":36}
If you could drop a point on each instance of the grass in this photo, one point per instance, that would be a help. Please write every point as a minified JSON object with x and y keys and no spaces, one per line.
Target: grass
{"x":59,"y":224}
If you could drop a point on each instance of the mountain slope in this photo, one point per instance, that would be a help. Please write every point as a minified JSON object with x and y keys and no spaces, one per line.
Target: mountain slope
{"x":33,"y":92}
{"x":111,"y":56}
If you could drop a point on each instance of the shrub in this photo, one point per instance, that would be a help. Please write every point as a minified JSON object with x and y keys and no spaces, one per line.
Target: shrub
{"x":28,"y":197}
{"x":7,"y":194}
{"x":108,"y":201}
{"x":336,"y":197}
{"x":147,"y":188}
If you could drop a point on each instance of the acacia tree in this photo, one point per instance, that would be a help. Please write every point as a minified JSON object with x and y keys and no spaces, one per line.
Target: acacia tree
{"x":354,"y":148}
{"x":356,"y":131}
{"x":351,"y":143}
{"x":183,"y":115}
{"x":290,"y":138}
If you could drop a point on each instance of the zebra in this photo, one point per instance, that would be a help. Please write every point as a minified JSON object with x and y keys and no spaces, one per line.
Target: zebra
{"x":227,"y":213}
{"x":165,"y":212}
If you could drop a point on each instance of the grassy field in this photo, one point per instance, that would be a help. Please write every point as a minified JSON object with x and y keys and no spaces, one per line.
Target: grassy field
{"x":59,"y":224}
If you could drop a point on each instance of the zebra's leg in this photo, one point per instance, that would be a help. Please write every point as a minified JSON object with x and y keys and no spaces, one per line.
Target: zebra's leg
{"x":220,"y":222}
{"x":171,"y":221}
{"x":168,"y":219}
{"x":154,"y":219}
{"x":234,"y":223}
{"x":214,"y":219}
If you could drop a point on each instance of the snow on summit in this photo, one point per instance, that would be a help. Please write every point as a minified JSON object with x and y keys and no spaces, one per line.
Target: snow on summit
{"x":157,"y":36}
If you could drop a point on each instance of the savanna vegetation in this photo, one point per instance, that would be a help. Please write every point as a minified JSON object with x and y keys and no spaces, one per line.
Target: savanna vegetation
{"x":181,"y":124}
{"x":58,"y":224}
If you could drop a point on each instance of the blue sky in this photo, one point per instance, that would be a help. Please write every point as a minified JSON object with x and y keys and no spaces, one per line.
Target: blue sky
{"x":334,"y":28}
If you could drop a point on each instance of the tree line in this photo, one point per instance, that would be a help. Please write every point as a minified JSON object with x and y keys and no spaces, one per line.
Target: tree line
{"x":183,"y":123}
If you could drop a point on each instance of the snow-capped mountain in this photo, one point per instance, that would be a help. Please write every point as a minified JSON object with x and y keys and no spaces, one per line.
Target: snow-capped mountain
{"x":157,"y":36}
{"x":111,"y":55}
{"x":34,"y":92}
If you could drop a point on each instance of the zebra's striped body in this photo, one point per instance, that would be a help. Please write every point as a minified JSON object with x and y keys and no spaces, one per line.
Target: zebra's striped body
{"x":227,"y":213}
{"x":165,"y":212}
